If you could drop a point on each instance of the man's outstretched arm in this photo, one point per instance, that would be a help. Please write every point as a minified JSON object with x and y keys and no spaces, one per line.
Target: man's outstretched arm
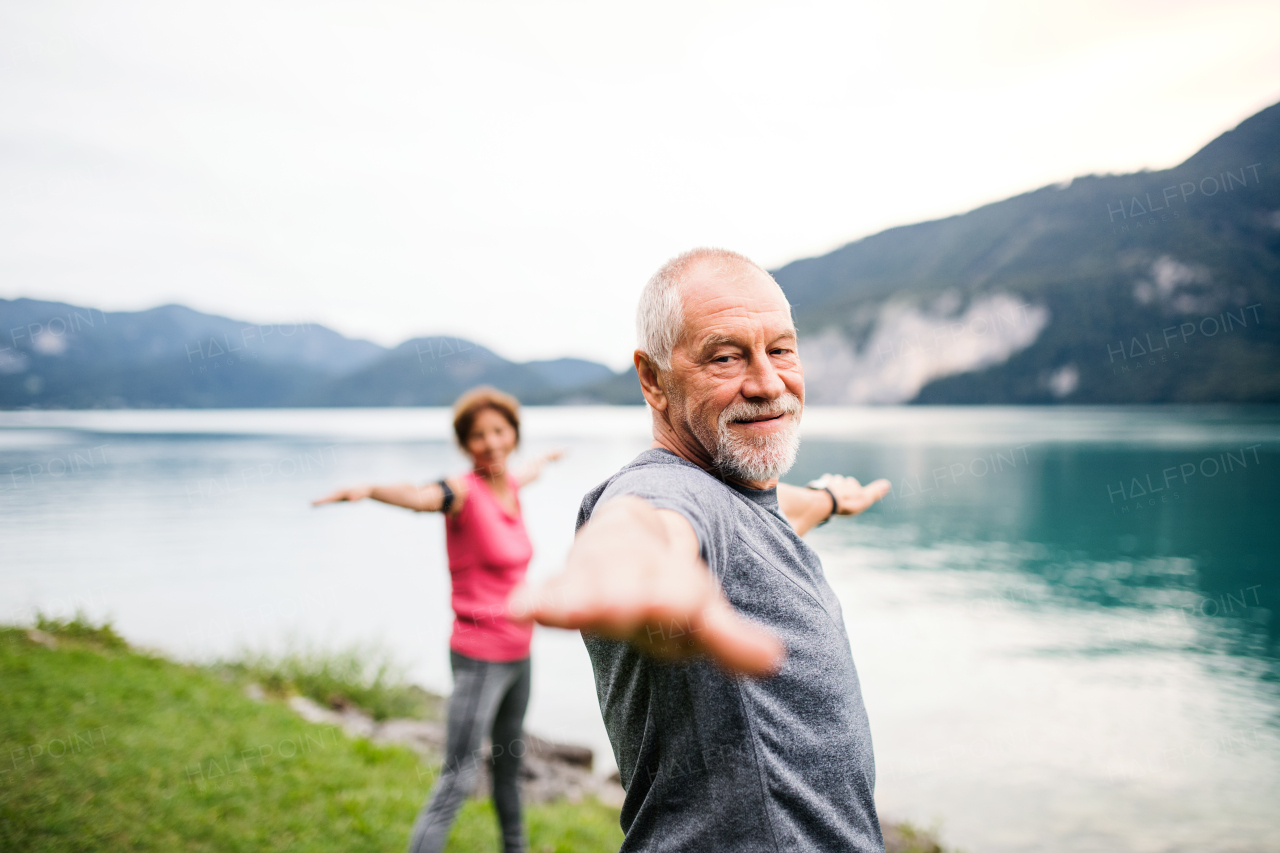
{"x":806,"y":508}
{"x":634,"y":574}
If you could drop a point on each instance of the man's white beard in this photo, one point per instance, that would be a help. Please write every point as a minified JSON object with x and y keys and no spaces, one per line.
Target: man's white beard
{"x":755,"y":458}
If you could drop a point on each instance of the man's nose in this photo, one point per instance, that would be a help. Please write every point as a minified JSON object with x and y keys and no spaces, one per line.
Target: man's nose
{"x":762,"y":380}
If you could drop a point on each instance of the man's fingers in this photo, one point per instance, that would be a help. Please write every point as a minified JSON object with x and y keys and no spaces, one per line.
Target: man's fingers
{"x":520,"y":603}
{"x":877,"y":490}
{"x":741,"y":646}
{"x":733,"y":642}
{"x":545,"y":604}
{"x":851,"y":496}
{"x":572,"y":608}
{"x":567,"y":602}
{"x":865,"y":496}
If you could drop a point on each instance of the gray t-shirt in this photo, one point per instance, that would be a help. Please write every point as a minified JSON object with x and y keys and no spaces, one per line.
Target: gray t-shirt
{"x":712,"y":762}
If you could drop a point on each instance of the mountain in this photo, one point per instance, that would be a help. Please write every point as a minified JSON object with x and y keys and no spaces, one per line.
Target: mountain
{"x":1141,"y":288}
{"x":66,"y":356}
{"x":55,"y":355}
{"x":435,"y":371}
{"x":617,"y":389}
{"x":570,"y":373}
{"x":1147,"y":287}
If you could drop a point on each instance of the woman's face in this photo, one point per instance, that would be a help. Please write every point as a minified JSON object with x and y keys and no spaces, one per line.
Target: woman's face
{"x":491,"y":440}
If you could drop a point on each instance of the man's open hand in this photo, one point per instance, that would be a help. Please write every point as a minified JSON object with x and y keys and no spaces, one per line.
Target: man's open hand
{"x":634,"y":574}
{"x":851,"y":496}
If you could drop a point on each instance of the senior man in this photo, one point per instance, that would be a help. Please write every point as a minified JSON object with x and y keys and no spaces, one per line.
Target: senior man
{"x":758,"y":739}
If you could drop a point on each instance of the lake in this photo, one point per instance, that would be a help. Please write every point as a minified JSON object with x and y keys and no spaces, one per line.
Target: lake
{"x":1064,"y":619}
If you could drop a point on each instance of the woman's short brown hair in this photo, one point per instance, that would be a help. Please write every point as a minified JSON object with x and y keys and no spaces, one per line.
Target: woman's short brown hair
{"x":475,"y":401}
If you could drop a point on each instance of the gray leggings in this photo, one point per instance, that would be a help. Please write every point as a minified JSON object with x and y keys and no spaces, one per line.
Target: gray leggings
{"x":487,"y":697}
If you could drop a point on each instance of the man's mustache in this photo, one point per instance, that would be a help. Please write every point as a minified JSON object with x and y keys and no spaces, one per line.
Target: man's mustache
{"x":787,"y":404}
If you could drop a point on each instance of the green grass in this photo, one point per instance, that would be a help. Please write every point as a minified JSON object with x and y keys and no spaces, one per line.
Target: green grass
{"x":80,"y":628}
{"x":103,"y":748}
{"x":365,"y":676}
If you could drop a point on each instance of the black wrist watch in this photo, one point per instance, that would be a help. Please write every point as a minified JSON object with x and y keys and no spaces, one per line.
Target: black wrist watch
{"x":448,"y":495}
{"x":835,"y":504}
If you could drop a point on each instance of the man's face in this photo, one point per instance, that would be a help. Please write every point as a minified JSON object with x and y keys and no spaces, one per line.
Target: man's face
{"x":736,"y":384}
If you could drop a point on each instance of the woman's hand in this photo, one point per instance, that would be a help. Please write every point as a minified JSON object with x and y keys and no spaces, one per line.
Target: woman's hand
{"x":355,"y":493}
{"x":531,"y":471}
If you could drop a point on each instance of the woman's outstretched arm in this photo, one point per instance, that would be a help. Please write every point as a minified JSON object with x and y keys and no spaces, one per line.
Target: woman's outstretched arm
{"x":428,"y":498}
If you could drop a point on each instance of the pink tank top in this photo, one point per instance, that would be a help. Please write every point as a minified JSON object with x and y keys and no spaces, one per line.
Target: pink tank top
{"x":489,"y":553}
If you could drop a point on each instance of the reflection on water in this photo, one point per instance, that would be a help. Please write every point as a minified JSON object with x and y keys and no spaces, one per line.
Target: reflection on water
{"x":1191,"y":530}
{"x":1071,"y":645}
{"x":1063,"y":618}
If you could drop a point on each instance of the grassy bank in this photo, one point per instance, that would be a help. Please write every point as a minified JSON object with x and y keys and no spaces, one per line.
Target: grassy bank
{"x":103,"y":748}
{"x":364,"y":676}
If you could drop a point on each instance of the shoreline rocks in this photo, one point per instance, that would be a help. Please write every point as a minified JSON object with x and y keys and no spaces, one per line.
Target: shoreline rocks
{"x":549,"y":771}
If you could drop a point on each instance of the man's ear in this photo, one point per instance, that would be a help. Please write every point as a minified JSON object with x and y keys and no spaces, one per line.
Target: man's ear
{"x":650,"y":382}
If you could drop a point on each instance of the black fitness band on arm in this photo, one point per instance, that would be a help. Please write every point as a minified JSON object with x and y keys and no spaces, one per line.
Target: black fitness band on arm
{"x":835,"y":504}
{"x":448,"y":495}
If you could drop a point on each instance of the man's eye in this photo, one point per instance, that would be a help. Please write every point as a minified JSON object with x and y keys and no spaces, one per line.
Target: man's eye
{"x":723,"y":359}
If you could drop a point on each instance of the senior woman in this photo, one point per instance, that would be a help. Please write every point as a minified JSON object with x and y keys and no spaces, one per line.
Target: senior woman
{"x":489,"y":552}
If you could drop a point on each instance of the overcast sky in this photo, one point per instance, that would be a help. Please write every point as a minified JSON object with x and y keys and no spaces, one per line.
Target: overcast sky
{"x":513,"y":172}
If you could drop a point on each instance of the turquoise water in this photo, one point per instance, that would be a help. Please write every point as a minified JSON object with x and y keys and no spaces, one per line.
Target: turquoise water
{"x":1064,"y":619}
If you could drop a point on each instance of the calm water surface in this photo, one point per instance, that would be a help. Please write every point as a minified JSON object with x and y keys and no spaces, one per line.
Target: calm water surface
{"x":1064,"y":619}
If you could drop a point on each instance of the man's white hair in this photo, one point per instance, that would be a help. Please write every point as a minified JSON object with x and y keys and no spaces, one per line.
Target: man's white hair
{"x":660,"y":315}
